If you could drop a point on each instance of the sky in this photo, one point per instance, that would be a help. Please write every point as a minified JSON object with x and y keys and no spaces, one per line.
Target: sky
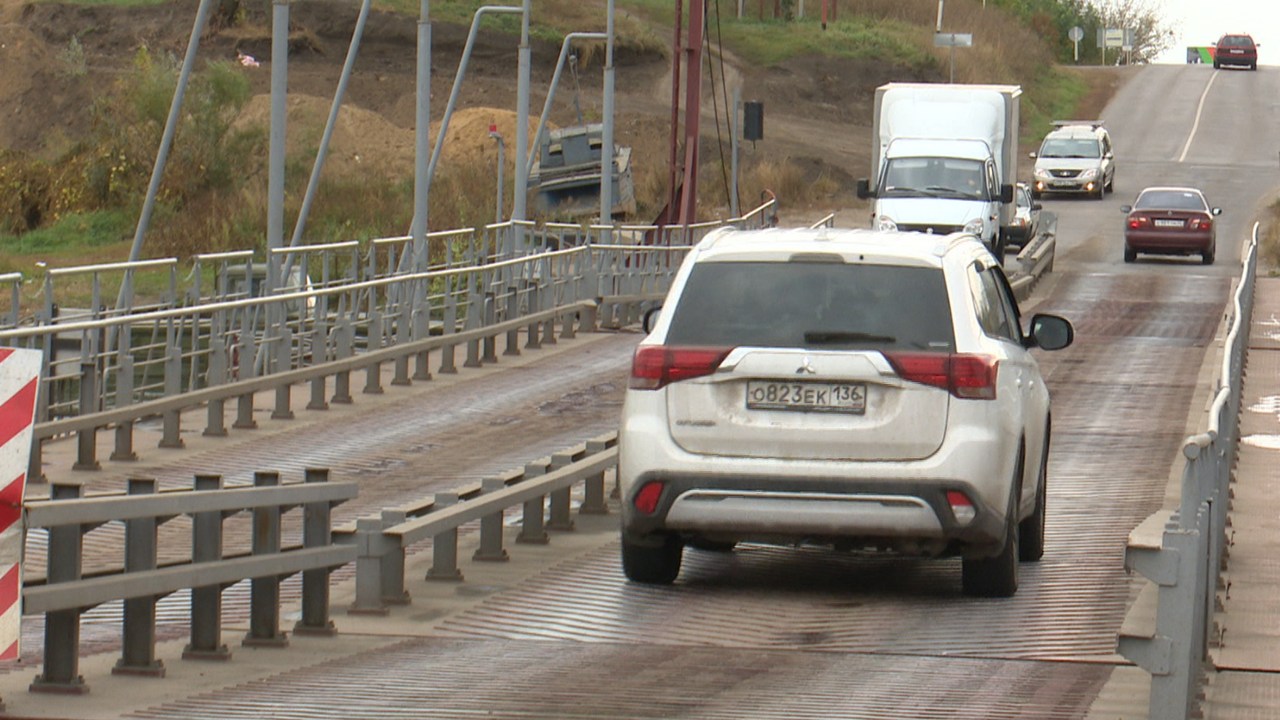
{"x":1200,"y":22}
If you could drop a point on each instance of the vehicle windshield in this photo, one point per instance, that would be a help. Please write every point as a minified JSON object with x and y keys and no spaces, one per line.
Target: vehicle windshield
{"x":819,"y":305}
{"x":1070,"y":148}
{"x":1023,"y":198}
{"x":935,"y":177}
{"x":1170,"y":200}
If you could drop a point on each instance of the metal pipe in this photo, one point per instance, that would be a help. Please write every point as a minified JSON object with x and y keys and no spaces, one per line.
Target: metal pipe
{"x":551,"y":92}
{"x":520,"y":202}
{"x":166,"y":141}
{"x":276,"y":159}
{"x":313,"y":184}
{"x":422,"y":141}
{"x":606,"y":148}
{"x":502,"y":146}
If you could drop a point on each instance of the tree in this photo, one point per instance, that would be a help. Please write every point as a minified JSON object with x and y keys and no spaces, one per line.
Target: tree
{"x":1151,"y":35}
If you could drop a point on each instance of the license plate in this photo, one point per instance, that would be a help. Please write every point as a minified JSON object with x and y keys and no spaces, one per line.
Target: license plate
{"x":1168,"y":223}
{"x":1237,"y":52}
{"x":1064,"y":184}
{"x":807,"y":397}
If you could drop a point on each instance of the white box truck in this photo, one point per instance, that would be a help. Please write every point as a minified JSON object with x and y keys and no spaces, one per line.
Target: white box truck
{"x":944,"y":159}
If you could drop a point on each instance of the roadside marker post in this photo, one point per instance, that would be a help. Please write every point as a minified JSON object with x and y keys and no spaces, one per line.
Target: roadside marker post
{"x":19,"y":382}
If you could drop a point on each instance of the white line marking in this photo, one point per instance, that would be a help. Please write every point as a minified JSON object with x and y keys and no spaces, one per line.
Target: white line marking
{"x":1196,"y":126}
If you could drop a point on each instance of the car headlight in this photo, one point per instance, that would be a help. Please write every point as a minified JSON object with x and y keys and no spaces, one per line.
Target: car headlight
{"x":1089,"y":174}
{"x":1018,"y":222}
{"x":974,"y":226}
{"x":884,"y":223}
{"x":1042,"y":174}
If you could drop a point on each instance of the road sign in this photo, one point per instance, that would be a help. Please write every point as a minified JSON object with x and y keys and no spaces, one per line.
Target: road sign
{"x":953,"y":40}
{"x":1075,"y":34}
{"x":19,"y":381}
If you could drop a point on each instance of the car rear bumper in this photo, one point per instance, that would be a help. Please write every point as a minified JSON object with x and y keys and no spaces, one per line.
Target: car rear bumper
{"x":1243,"y":60}
{"x":1166,"y":242}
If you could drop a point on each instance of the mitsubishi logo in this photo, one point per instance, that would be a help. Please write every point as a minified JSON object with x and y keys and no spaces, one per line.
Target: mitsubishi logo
{"x":806,"y":366}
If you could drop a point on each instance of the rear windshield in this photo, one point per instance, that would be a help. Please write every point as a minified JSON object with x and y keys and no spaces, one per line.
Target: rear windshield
{"x":1236,"y":41}
{"x":1170,"y":200}
{"x":813,"y":305}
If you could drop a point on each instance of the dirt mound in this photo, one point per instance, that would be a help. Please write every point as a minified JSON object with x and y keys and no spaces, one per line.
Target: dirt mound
{"x":365,"y":141}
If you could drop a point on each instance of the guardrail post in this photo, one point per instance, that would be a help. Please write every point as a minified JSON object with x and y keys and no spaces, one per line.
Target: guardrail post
{"x":593,"y":502}
{"x":206,"y":601}
{"x":373,"y":372}
{"x":401,"y":374}
{"x":264,"y":594}
{"x":244,"y":413}
{"x":392,"y":590}
{"x":283,"y":363}
{"x":548,"y":325}
{"x":421,"y":331}
{"x":561,"y":515}
{"x":474,"y":321}
{"x":317,"y":401}
{"x":172,"y":423}
{"x":449,"y":327}
{"x":513,"y":311}
{"x":444,"y":546}
{"x":369,"y":564}
{"x":123,"y":451}
{"x":567,"y":320}
{"x":62,"y":627}
{"x":533,"y":341}
{"x":532,"y":530}
{"x":316,"y":532}
{"x":138,"y":632}
{"x":215,"y":426}
{"x":87,"y":440}
{"x":587,"y":318}
{"x":490,"y":318}
{"x":344,"y":337}
{"x":491,"y":529}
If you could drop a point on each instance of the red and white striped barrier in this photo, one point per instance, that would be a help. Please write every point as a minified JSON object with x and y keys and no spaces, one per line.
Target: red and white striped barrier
{"x":19,"y":381}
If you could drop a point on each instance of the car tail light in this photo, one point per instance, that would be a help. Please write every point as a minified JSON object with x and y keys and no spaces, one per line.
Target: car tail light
{"x":646,"y":500}
{"x":1138,"y":222}
{"x":654,"y":366}
{"x":961,"y":506}
{"x":970,"y":377}
{"x":1198,"y":223}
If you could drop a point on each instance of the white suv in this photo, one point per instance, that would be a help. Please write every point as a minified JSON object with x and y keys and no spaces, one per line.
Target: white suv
{"x":851,"y":388}
{"x":1076,"y":157}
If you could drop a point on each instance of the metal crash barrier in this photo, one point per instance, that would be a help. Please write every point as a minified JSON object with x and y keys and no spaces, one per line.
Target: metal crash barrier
{"x":382,"y":539}
{"x":1183,"y":551}
{"x":67,"y":590}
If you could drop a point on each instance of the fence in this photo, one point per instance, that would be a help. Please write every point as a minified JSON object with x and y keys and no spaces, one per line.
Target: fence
{"x":1182,"y":550}
{"x":65,"y":592}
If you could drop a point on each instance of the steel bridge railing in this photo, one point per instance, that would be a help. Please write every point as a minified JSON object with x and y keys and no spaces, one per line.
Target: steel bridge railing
{"x":1182,"y":551}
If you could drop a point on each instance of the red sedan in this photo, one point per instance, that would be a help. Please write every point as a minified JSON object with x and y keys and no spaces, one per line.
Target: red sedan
{"x":1170,"y":221}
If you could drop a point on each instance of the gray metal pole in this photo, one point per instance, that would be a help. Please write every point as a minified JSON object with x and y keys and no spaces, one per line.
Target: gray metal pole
{"x":551,"y":92}
{"x":518,"y":206}
{"x":502,"y":160}
{"x":166,"y":141}
{"x":422,"y":141}
{"x":279,"y":108}
{"x":606,"y":142}
{"x":736,"y":131}
{"x":314,"y":183}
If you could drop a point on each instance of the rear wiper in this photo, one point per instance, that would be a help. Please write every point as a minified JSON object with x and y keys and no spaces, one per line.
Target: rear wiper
{"x":835,"y":337}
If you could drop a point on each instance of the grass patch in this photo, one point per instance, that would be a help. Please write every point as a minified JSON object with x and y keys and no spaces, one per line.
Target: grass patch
{"x":859,"y":37}
{"x":71,"y":235}
{"x":1269,"y":242}
{"x":1055,"y":95}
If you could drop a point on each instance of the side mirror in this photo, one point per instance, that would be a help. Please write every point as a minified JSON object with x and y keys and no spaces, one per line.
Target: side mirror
{"x":1217,"y":211}
{"x":1050,"y":332}
{"x":1031,"y":155}
{"x":864,"y":188}
{"x":1036,"y":206}
{"x":1126,"y":209}
{"x":651,"y":318}
{"x":1006,"y":193}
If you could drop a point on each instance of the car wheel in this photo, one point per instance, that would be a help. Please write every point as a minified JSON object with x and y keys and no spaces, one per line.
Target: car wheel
{"x":997,"y":576}
{"x":999,"y":247}
{"x":1102,"y":190}
{"x":1031,"y":530}
{"x":1254,"y":66}
{"x":1111,"y":184}
{"x":994,"y":576}
{"x":652,"y":565}
{"x":1130,"y":254}
{"x":1206,"y":257}
{"x":1216,"y":65}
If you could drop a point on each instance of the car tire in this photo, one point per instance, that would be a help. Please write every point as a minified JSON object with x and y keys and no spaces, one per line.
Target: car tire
{"x":997,"y":576}
{"x":1216,"y":65}
{"x":1206,"y":257}
{"x":1111,"y":184}
{"x":652,"y":565}
{"x":1031,"y":530}
{"x":1130,"y":254}
{"x":1101,"y":192}
{"x":999,"y":247}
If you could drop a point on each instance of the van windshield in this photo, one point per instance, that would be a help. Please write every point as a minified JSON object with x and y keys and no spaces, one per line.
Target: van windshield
{"x":935,"y":177}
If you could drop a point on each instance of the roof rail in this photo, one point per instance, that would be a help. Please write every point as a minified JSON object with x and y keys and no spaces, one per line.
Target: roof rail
{"x":1095,"y":124}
